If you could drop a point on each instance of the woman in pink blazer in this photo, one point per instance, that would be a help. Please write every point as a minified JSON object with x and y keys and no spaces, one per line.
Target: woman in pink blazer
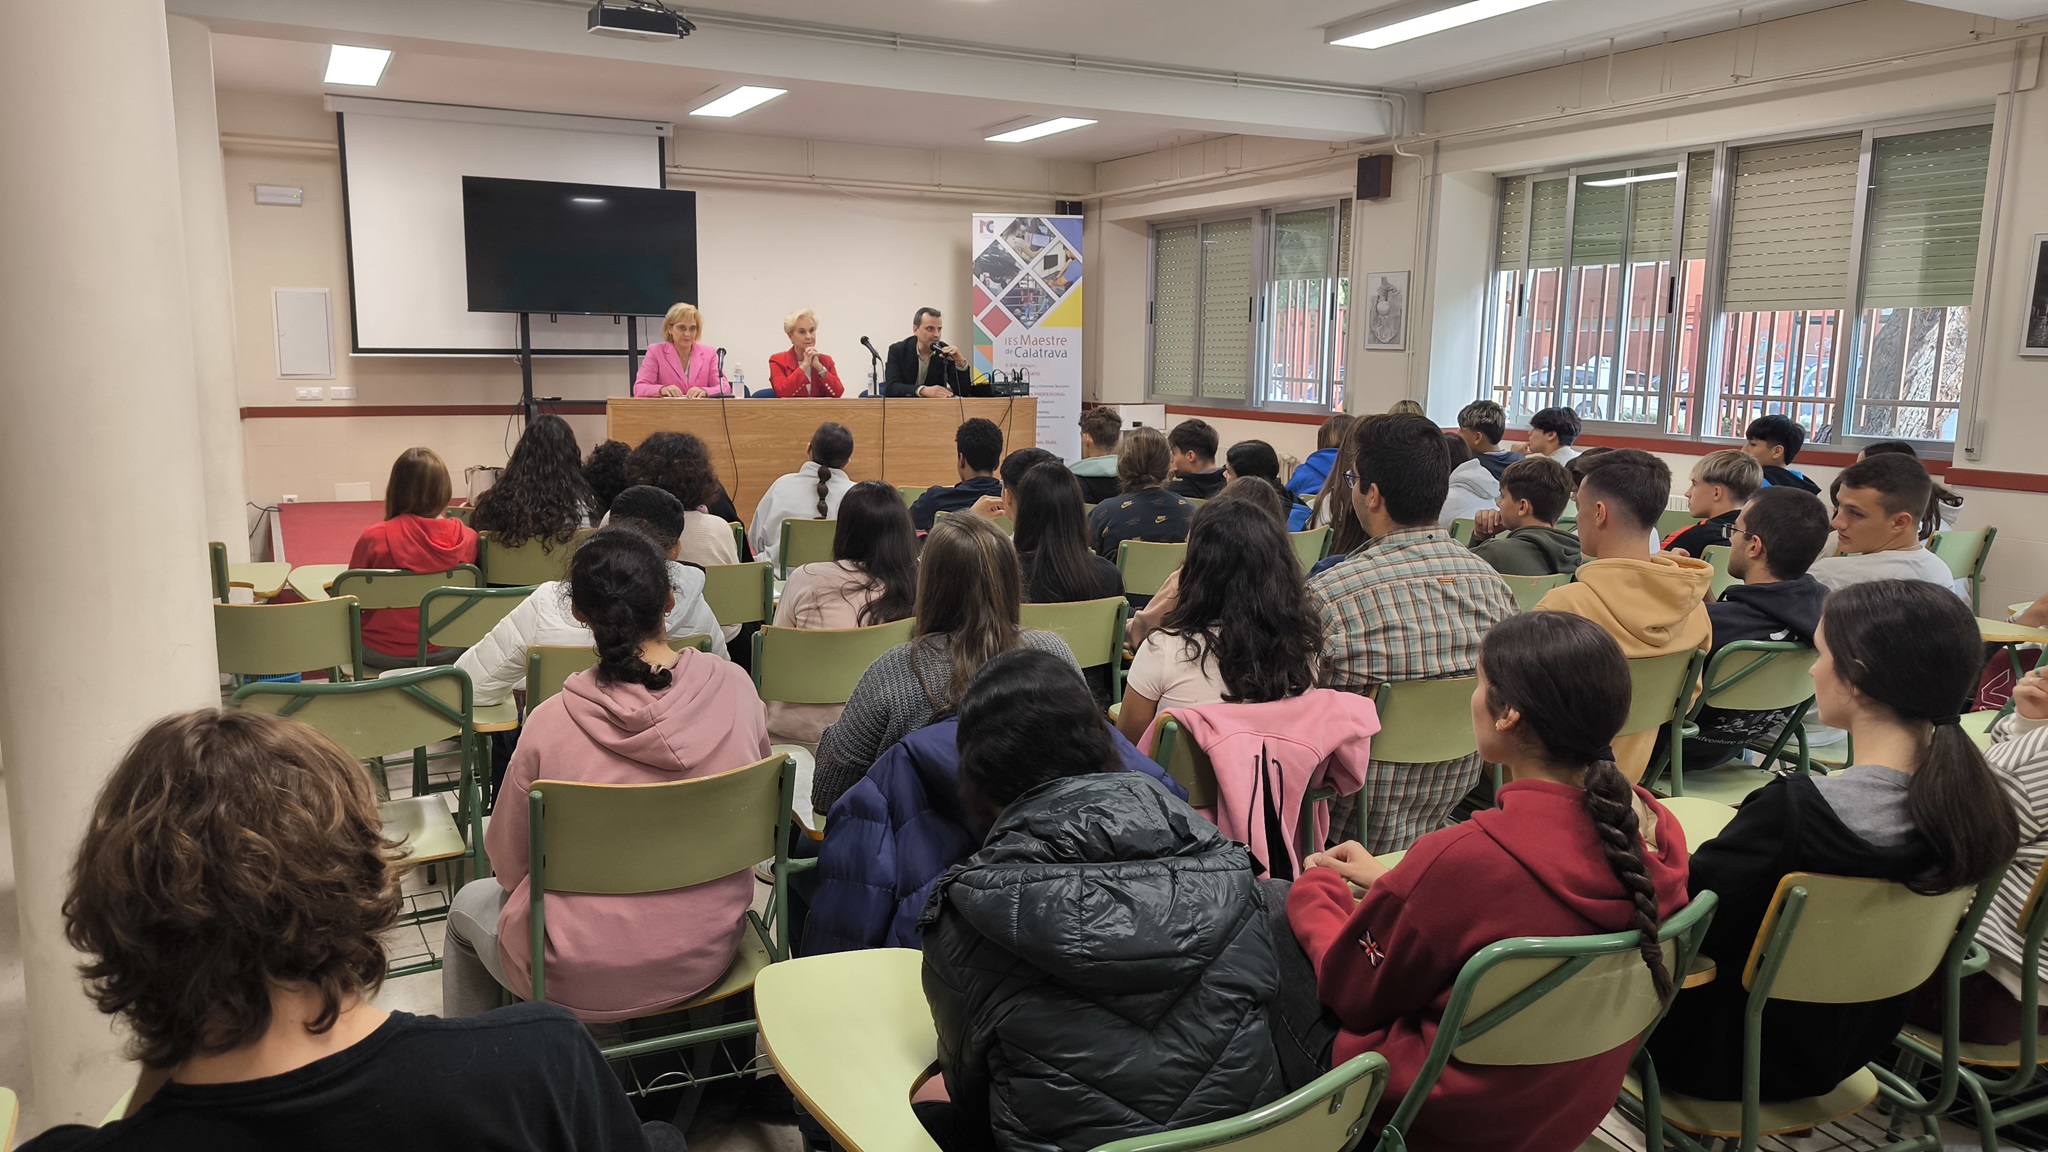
{"x":679,"y":365}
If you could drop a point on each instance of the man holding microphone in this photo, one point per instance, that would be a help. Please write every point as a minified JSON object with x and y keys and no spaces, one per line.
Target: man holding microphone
{"x":925,"y":365}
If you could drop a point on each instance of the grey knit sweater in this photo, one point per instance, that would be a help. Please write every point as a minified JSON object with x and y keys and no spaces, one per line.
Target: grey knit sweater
{"x":889,"y":704}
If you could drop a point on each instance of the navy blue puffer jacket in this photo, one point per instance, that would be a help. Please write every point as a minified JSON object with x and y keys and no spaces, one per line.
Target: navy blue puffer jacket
{"x":891,"y":836}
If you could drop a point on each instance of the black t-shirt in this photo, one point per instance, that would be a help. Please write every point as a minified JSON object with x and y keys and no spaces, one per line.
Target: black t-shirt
{"x":1150,"y":514}
{"x":1703,"y":535}
{"x":1199,"y":485}
{"x":526,"y":1077}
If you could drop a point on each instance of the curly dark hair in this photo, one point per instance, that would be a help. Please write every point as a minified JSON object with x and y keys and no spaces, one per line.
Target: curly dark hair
{"x":542,"y":495}
{"x":677,"y":462}
{"x":229,"y":852}
{"x":1243,"y":600}
{"x":605,"y":471}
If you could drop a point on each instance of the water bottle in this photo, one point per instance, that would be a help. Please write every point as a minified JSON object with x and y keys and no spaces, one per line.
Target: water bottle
{"x":739,"y":380}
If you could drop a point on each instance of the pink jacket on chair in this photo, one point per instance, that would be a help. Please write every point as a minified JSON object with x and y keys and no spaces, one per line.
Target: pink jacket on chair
{"x":662,"y":366}
{"x":1267,"y":756}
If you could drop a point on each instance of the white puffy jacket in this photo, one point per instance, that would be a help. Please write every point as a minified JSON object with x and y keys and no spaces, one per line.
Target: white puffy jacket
{"x":1472,"y":489}
{"x":497,"y":664}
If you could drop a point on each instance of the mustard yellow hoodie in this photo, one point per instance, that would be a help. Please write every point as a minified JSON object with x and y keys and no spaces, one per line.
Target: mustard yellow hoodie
{"x":1652,"y":608}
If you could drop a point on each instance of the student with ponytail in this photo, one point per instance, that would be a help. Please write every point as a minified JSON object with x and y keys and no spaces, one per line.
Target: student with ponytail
{"x":1899,"y":660}
{"x":646,"y":714}
{"x":1571,"y":848}
{"x":812,"y":492}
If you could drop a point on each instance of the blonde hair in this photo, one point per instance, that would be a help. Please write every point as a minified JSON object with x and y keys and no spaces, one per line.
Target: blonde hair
{"x":677,"y":314}
{"x":789,"y":322}
{"x":1406,"y":408}
{"x":1736,"y":471}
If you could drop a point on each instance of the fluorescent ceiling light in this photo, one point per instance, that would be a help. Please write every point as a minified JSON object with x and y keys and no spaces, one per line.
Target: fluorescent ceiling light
{"x":362,"y":66}
{"x":586,"y":199}
{"x":1409,"y":21}
{"x":1042,"y":128}
{"x":1618,"y":181}
{"x":739,"y":100}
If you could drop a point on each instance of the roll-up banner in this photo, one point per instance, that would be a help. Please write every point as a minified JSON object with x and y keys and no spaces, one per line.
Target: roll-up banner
{"x":1027,"y":316}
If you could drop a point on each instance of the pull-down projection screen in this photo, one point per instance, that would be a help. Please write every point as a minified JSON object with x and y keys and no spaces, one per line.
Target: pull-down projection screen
{"x":402,"y":170}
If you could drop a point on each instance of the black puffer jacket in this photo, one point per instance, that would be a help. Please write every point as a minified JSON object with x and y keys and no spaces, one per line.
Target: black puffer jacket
{"x":1101,"y":969}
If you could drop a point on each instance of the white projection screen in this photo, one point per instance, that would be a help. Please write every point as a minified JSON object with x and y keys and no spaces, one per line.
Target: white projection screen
{"x":402,"y":170}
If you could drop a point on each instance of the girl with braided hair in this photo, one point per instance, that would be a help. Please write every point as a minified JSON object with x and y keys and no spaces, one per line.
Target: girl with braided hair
{"x":812,"y":492}
{"x":1571,"y":848}
{"x":646,"y":714}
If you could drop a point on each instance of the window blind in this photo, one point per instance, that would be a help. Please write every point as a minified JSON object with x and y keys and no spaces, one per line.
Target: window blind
{"x":1926,"y":206}
{"x":1699,"y":205}
{"x":1301,"y":244}
{"x":1546,"y":223}
{"x":1649,"y":234}
{"x":1514,"y":217}
{"x":1176,"y":271}
{"x":1226,"y":308}
{"x":1791,"y":225}
{"x":1599,"y":219}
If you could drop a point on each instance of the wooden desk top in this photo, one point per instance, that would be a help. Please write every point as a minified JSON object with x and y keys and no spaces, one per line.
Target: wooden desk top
{"x":754,"y":442}
{"x":852,"y":1036}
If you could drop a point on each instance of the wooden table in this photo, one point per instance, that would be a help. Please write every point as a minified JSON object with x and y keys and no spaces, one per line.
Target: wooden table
{"x":311,"y":580}
{"x":852,"y":1036}
{"x":1701,"y":819}
{"x":264,"y":578}
{"x":753,"y":442}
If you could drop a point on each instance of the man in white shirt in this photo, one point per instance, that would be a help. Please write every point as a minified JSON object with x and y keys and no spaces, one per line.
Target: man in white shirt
{"x":1877,"y":526}
{"x":1551,"y":433}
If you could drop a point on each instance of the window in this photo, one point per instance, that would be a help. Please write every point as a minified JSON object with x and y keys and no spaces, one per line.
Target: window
{"x":1836,"y":288}
{"x":1252,"y":310}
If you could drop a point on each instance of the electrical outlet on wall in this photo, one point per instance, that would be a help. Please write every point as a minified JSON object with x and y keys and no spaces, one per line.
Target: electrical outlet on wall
{"x":287,"y":499}
{"x":312,"y":393}
{"x":341,"y":392}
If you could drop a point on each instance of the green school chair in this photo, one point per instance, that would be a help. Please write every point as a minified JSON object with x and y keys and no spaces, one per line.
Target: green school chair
{"x":1965,"y":552}
{"x":1661,"y":692}
{"x":803,"y":542}
{"x":1529,"y":590}
{"x":1673,"y":521}
{"x":1093,"y":629}
{"x":1176,"y":751}
{"x":740,"y":593}
{"x":1462,"y":529}
{"x":1717,"y":555}
{"x":910,"y":493}
{"x":462,"y":617}
{"x":217,"y":566}
{"x":1329,"y":1114}
{"x":530,"y":562}
{"x":280,"y":639}
{"x":1310,"y":545}
{"x":547,"y":666}
{"x":1746,"y":676}
{"x":1146,"y":565}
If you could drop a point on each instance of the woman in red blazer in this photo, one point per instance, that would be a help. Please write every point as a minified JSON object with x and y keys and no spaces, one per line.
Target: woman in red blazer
{"x":678,"y":365}
{"x":803,"y":370}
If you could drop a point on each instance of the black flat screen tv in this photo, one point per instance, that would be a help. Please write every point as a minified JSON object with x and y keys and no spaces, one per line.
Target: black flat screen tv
{"x":577,"y":249}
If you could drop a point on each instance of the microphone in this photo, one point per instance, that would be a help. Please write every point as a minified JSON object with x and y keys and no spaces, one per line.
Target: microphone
{"x":870,"y":346}
{"x":941,"y":346}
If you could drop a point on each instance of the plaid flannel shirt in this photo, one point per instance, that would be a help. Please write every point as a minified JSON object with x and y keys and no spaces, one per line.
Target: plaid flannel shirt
{"x":1410,"y":605}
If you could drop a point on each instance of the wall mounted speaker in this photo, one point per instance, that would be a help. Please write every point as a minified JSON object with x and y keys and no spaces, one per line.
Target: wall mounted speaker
{"x":1375,"y":176}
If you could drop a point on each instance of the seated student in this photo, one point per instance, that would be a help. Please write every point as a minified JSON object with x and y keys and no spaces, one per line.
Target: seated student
{"x":1196,"y":475}
{"x":1010,"y":473}
{"x":1476,"y":470}
{"x":1943,"y":510}
{"x":497,"y":664}
{"x":812,"y":492}
{"x":1577,"y":465}
{"x":1551,"y":433}
{"x":1473,"y":492}
{"x":231,"y":893}
{"x":646,"y":714}
{"x":1096,"y":469}
{"x":1054,"y":560}
{"x":679,"y":464}
{"x":1651,"y":604}
{"x":1777,"y":535}
{"x":1481,"y":425}
{"x":967,"y":597}
{"x":1774,"y":441}
{"x":542,"y":495}
{"x":871,"y":579}
{"x":1332,"y":505}
{"x":1256,"y":460}
{"x":1242,"y":627}
{"x":1313,"y":473}
{"x":1146,"y":620}
{"x":417,"y":536}
{"x":605,"y":471}
{"x":1100,"y":968}
{"x":1532,"y":495}
{"x":1920,"y":807}
{"x":1569,"y":849}
{"x":1144,"y":511}
{"x":1722,"y":482}
{"x":1409,"y":604}
{"x":979,"y":447}
{"x":1877,"y":526}
{"x":1406,"y":408}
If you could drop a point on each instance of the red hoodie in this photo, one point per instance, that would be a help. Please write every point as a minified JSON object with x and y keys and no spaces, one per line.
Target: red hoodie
{"x":416,"y":544}
{"x":1385,"y":965}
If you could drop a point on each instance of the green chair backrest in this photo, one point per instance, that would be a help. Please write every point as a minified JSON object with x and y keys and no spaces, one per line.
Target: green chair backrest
{"x":1568,"y":520}
{"x":1661,"y":689}
{"x":280,"y":639}
{"x":1462,"y":529}
{"x":1717,"y":555}
{"x":740,"y":593}
{"x":910,"y":493}
{"x":531,"y":562}
{"x":1759,"y":675}
{"x":1424,"y":721}
{"x":1965,"y":553}
{"x":397,"y":588}
{"x":10,"y":1114}
{"x":803,"y":542}
{"x":1094,"y":629}
{"x":217,"y":563}
{"x":371,"y":718}
{"x":1674,"y":520}
{"x":739,"y":539}
{"x":625,"y":839}
{"x":1529,"y":589}
{"x":547,"y":665}
{"x":1551,"y":1000}
{"x":460,"y":512}
{"x":461,"y":617}
{"x":1328,"y":1114}
{"x":1174,"y":750}
{"x":1004,"y":524}
{"x":1850,"y":940}
{"x":1146,"y":565}
{"x":820,"y":666}
{"x":1310,"y":545}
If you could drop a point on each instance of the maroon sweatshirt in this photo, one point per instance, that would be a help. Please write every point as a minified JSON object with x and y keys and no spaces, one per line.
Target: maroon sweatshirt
{"x":1385,"y":965}
{"x":415,"y":544}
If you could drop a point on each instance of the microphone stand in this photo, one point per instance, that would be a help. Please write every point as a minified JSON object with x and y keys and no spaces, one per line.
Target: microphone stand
{"x":874,"y":368}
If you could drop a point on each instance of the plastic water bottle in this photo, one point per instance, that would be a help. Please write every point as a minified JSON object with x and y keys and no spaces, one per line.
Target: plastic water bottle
{"x":739,"y":380}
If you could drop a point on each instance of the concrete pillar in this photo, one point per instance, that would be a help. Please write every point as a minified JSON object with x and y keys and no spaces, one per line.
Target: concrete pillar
{"x":212,"y":297}
{"x":105,"y":622}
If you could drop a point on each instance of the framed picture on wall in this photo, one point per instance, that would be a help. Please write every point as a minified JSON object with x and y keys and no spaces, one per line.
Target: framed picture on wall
{"x":1386,"y":311}
{"x":2034,"y":336}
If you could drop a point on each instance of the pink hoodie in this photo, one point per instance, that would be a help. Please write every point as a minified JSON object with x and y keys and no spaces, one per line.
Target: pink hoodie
{"x":618,"y":957}
{"x":1267,"y":756}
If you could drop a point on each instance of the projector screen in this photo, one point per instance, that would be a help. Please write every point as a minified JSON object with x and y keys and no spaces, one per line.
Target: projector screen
{"x":588,"y":249}
{"x":402,"y":170}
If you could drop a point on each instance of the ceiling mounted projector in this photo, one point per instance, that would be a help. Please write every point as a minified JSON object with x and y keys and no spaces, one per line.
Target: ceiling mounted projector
{"x":638,"y":20}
